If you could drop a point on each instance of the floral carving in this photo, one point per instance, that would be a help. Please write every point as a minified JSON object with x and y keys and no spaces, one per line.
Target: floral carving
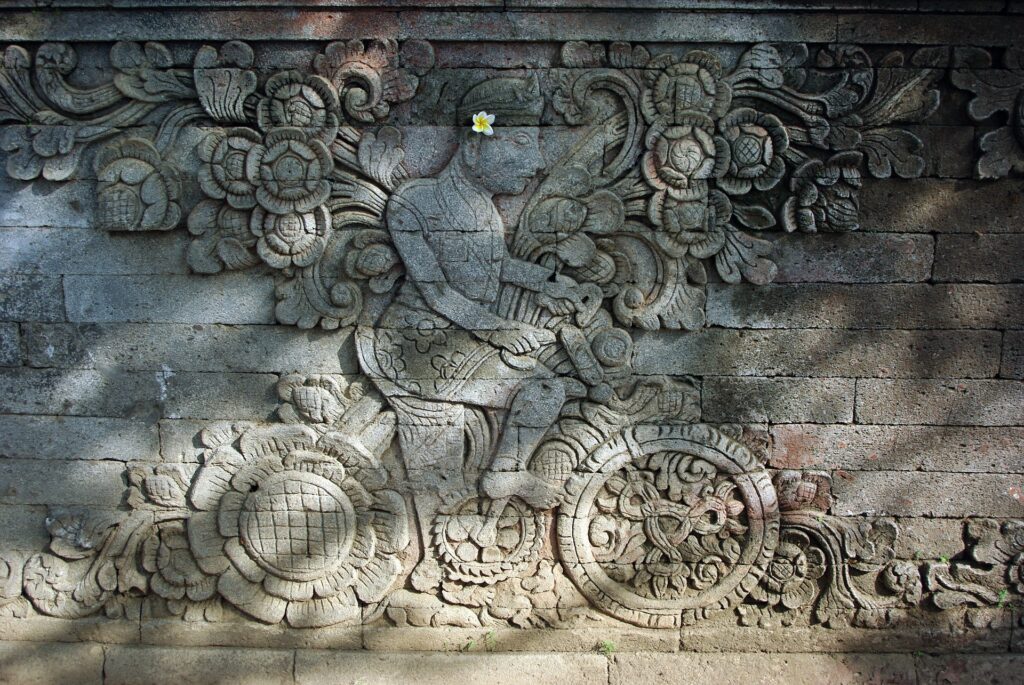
{"x":304,"y":101}
{"x":680,"y":162}
{"x":137,"y":191}
{"x":718,"y":146}
{"x":791,"y":580}
{"x":996,"y":91}
{"x":291,"y":533}
{"x":757,"y":143}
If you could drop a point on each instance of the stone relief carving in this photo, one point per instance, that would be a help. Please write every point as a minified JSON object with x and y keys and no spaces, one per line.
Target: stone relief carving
{"x":997,"y":91}
{"x":498,"y":401}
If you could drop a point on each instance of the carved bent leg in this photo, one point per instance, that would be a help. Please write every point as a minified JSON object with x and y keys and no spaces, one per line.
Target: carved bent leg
{"x":531,"y":413}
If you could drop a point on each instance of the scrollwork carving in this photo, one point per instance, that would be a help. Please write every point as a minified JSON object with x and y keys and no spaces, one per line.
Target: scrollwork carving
{"x":498,"y":399}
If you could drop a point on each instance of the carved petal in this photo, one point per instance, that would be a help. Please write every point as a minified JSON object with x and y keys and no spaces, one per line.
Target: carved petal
{"x":206,"y":542}
{"x":250,"y":597}
{"x":324,"y":611}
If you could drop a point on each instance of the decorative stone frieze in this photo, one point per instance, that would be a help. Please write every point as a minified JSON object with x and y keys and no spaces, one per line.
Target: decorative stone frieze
{"x":498,"y":461}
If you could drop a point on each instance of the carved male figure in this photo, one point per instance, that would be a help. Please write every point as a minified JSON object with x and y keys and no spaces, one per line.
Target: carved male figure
{"x":441,"y":345}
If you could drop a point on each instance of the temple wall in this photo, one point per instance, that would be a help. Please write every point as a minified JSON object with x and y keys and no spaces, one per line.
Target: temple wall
{"x":790,"y":442}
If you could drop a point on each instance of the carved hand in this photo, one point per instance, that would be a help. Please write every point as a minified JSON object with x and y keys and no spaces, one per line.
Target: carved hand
{"x":560,"y":297}
{"x":521,"y":340}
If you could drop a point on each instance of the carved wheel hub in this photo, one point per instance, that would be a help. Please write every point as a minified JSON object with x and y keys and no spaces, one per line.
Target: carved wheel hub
{"x":673,"y":523}
{"x":297,"y":525}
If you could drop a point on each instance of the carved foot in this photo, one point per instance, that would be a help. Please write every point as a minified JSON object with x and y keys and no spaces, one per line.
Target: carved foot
{"x":500,"y":485}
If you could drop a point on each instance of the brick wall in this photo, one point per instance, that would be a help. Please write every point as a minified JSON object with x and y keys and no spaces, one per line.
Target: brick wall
{"x":891,"y":358}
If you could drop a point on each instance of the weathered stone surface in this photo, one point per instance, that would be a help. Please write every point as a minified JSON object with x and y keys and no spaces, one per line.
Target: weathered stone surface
{"x":929,"y":538}
{"x":243,"y":396}
{"x":1013,"y":355}
{"x":128,"y":665}
{"x":797,"y":669}
{"x":230,"y":299}
{"x":313,"y":668}
{"x":868,"y":306}
{"x":62,"y":250}
{"x":21,"y":530}
{"x":31,"y":298}
{"x":242,"y":632}
{"x":854,"y":258}
{"x":77,"y":438}
{"x":990,"y":669}
{"x":898,"y":493}
{"x":528,"y":390}
{"x":582,"y":638}
{"x":10,"y":345}
{"x":98,"y":484}
{"x":189,"y":347}
{"x":79,"y":393}
{"x":777,"y":400}
{"x":942,"y":206}
{"x":45,"y":203}
{"x":952,"y":402}
{"x":898,"y":448}
{"x":820,"y":353}
{"x":44,"y":663}
{"x":979,"y":258}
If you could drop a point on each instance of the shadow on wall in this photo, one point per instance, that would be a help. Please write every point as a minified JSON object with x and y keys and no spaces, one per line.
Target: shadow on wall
{"x":921,"y":359}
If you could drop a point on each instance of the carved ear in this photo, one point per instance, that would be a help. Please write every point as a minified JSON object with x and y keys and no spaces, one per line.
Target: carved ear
{"x":470,"y":149}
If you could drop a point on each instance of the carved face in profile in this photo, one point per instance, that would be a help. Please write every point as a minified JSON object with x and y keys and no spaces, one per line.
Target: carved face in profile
{"x":503,"y":163}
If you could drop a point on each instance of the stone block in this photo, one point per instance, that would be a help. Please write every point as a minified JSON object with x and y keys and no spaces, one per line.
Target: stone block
{"x":948,"y":150}
{"x":819,"y":353}
{"x":190,"y":347}
{"x":46,"y":203}
{"x":51,"y":251}
{"x":127,"y":665}
{"x":240,"y":396}
{"x":244,"y":632}
{"x":866,"y":306}
{"x":924,"y":539}
{"x":919,"y":632}
{"x":10,"y":345}
{"x":899,"y":493}
{"x":777,"y":400}
{"x":971,"y":669}
{"x":898,"y":448}
{"x":79,"y":392}
{"x":31,"y":298}
{"x":36,"y":628}
{"x":980,"y":258}
{"x":853,"y":258}
{"x":1013,"y":355}
{"x":97,"y":484}
{"x":722,"y":27}
{"x":22,"y":530}
{"x":950,"y":402}
{"x":239,"y":298}
{"x":207,"y":24}
{"x":583,"y":638}
{"x":942,"y":206}
{"x":757,"y":669}
{"x":45,"y":663}
{"x":315,"y":667}
{"x":934,"y":29}
{"x":78,"y":438}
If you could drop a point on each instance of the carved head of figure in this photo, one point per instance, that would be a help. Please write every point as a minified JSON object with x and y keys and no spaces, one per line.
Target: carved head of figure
{"x":505,"y":161}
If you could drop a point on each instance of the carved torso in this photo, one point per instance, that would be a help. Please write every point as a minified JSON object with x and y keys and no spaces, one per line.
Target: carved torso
{"x":462,"y":228}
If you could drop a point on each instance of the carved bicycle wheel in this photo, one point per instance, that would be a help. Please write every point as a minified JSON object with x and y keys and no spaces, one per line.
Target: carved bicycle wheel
{"x":666,"y":524}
